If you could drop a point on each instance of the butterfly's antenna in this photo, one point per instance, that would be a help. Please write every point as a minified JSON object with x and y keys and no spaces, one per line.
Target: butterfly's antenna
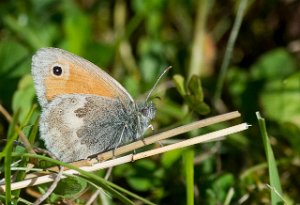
{"x":157,"y":81}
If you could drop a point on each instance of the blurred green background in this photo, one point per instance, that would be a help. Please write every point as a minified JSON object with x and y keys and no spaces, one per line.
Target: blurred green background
{"x":134,"y":41}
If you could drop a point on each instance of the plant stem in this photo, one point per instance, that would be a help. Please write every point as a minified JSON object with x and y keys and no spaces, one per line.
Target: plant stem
{"x":229,"y":48}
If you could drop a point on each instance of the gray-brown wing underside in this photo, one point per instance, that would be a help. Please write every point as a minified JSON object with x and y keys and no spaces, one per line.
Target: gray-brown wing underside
{"x":76,"y":126}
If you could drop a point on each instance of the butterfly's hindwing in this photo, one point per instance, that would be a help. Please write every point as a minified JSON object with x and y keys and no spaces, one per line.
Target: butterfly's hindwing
{"x":78,"y":126}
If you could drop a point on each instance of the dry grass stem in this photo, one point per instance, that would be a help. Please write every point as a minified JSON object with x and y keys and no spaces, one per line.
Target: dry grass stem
{"x":131,"y":157}
{"x":195,"y":140}
{"x":170,"y":133}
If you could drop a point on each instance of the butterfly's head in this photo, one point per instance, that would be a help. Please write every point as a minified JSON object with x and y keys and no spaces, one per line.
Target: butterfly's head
{"x":147,"y":110}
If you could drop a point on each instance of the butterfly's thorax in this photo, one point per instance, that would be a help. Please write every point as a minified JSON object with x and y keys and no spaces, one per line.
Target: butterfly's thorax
{"x":134,"y":119}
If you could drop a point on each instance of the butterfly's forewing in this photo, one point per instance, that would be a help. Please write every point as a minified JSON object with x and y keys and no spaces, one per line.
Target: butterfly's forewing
{"x":78,"y":76}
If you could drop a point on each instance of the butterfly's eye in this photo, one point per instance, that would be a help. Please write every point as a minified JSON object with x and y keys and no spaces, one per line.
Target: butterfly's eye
{"x":57,"y":70}
{"x":144,"y":111}
{"x":148,"y":111}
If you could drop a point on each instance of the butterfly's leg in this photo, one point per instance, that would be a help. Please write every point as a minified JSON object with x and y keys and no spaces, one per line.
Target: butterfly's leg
{"x":143,"y":139}
{"x":152,"y":128}
{"x":120,"y":140}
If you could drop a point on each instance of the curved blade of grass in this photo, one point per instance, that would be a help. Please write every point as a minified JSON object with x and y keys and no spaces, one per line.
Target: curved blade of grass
{"x":90,"y":176}
{"x":19,"y":199}
{"x":276,"y":191}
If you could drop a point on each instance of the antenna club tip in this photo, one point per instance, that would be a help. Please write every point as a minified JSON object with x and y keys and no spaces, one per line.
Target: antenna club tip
{"x":169,"y":67}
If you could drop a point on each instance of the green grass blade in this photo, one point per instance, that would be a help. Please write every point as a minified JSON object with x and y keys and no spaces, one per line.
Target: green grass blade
{"x":28,"y":116}
{"x":7,"y":174}
{"x":229,"y":48}
{"x":34,"y":131}
{"x":188,"y":159}
{"x":21,"y":174}
{"x":7,"y":151}
{"x":276,"y":190}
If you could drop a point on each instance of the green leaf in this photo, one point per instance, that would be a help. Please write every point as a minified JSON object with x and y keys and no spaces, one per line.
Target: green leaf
{"x":275,"y":64}
{"x":200,"y":107}
{"x":222,"y":184}
{"x":12,"y":55}
{"x":32,"y":34}
{"x":195,"y":87}
{"x":100,"y":53}
{"x":77,"y":28}
{"x":169,"y":158}
{"x":280,"y":100}
{"x":194,"y":95}
{"x":168,"y":110}
{"x":146,"y":164}
{"x":147,"y":7}
{"x":23,"y":97}
{"x":140,"y":180}
{"x":140,"y":183}
{"x":151,"y":52}
{"x":14,"y":63}
{"x":237,"y":80}
{"x":179,"y":84}
{"x":70,"y":187}
{"x":149,"y":66}
{"x":293,"y":132}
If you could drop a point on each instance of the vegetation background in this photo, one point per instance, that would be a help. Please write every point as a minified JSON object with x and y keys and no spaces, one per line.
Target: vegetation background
{"x":135,"y":41}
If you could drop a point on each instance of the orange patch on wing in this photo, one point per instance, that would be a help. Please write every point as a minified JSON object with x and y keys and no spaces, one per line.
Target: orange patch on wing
{"x":79,"y":81}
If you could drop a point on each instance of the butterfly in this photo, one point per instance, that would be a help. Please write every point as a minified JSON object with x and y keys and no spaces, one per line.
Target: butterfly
{"x":84,"y":110}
